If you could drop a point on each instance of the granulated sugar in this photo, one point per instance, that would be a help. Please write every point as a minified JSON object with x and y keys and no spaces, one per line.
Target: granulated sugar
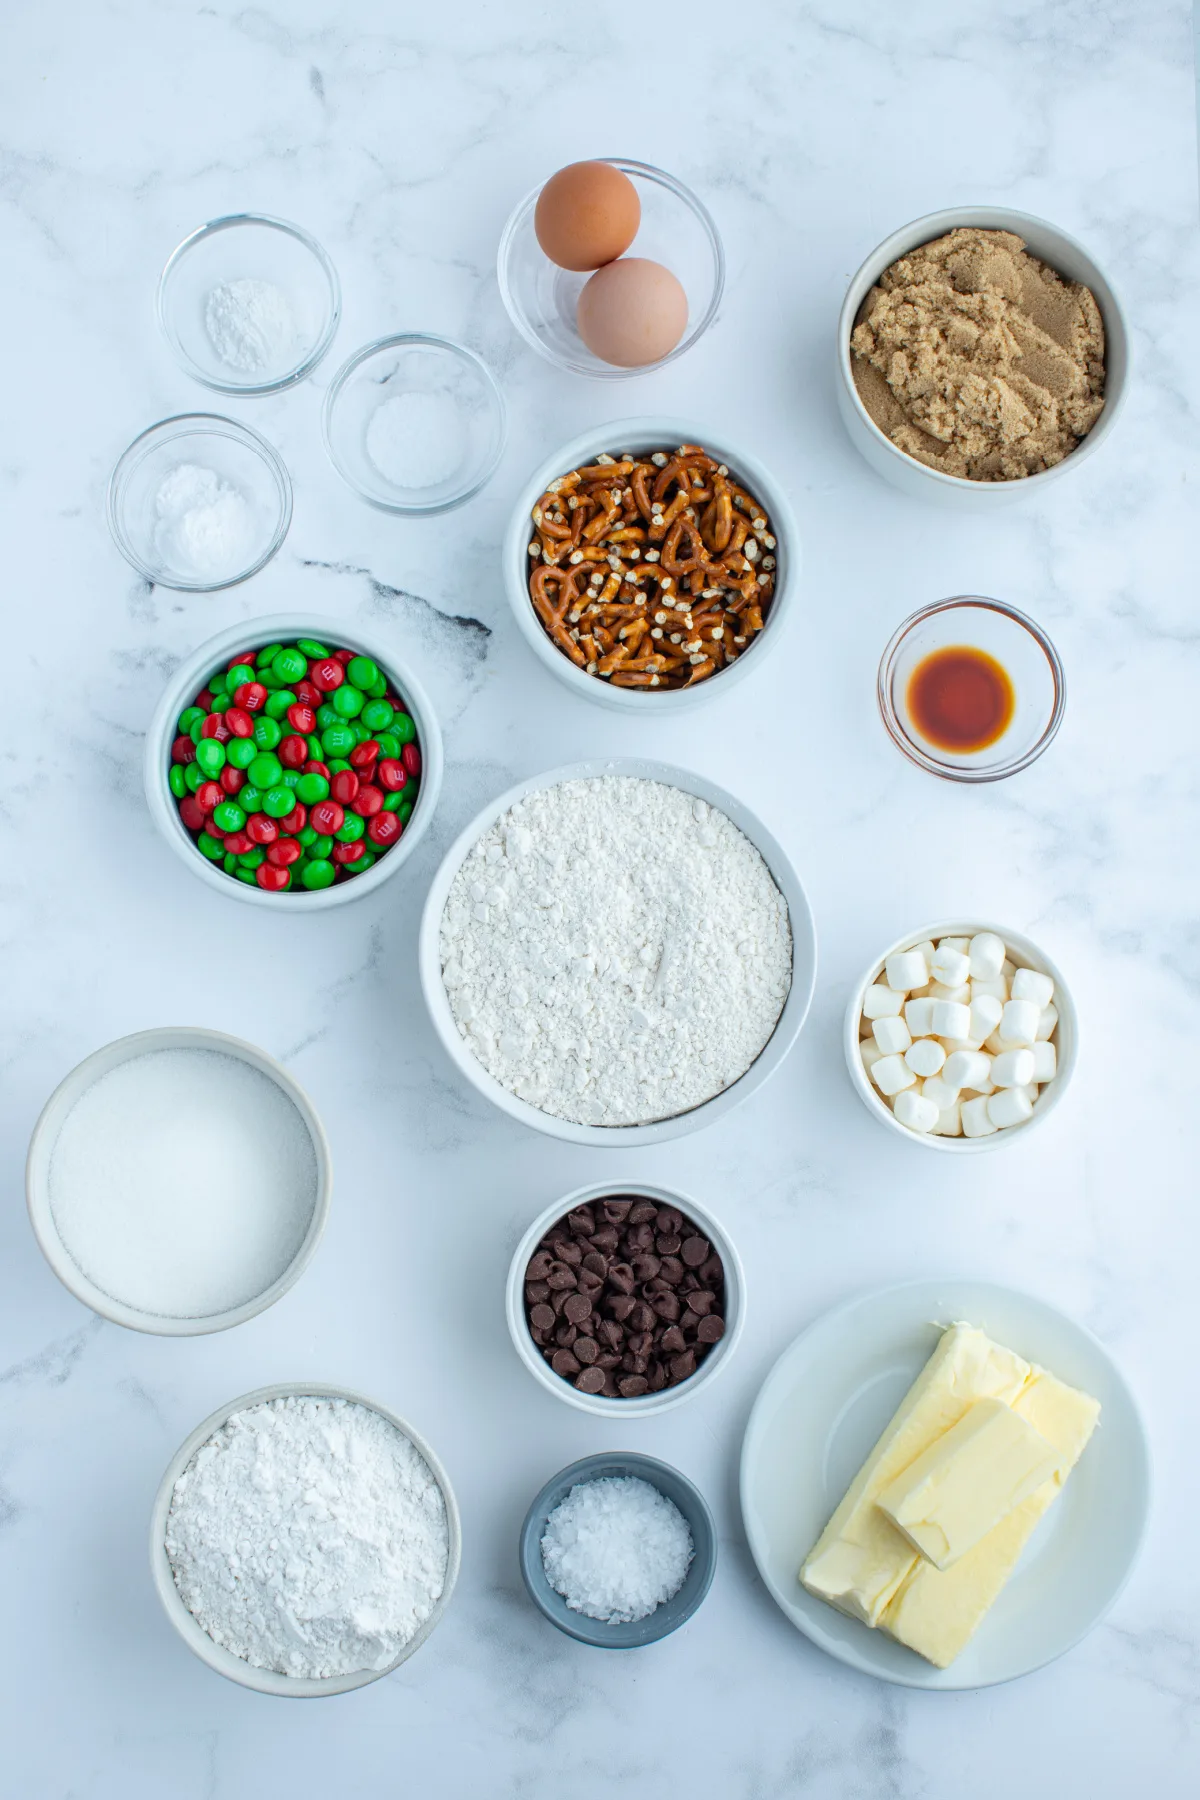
{"x":614,"y":951}
{"x":183,"y":1182}
{"x":616,"y":1548}
{"x":309,"y":1536}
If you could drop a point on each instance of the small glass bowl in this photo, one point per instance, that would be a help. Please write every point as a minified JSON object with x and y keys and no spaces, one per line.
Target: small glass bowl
{"x":676,"y":230}
{"x":415,"y":363}
{"x":238,"y":457}
{"x":239,"y":247}
{"x":1021,"y":648}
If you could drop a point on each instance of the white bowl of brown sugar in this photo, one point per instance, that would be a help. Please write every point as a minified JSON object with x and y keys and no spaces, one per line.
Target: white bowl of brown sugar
{"x":982,"y":353}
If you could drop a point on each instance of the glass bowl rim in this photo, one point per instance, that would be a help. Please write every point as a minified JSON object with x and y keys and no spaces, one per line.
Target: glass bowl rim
{"x":605,"y":372}
{"x":305,"y":367}
{"x":431,"y":340}
{"x":913,"y":751}
{"x":205,"y":425}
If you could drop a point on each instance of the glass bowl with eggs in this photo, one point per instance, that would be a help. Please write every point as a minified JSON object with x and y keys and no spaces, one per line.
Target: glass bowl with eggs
{"x":611,"y":268}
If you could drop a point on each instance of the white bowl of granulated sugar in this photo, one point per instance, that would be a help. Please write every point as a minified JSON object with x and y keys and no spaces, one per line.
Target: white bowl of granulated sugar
{"x":617,"y":952}
{"x":331,"y":1593}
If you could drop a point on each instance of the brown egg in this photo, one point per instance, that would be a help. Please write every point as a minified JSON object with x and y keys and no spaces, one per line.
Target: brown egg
{"x":632,"y":312}
{"x":587,"y":214}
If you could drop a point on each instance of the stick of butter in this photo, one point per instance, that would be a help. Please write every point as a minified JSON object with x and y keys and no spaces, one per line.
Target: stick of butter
{"x":969,"y":1479}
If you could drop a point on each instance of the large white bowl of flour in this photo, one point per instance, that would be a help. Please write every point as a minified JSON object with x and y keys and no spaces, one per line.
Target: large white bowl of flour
{"x":617,"y":952}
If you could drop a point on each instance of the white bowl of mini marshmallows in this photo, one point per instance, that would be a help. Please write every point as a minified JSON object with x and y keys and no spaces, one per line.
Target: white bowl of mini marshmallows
{"x":961,"y":1036}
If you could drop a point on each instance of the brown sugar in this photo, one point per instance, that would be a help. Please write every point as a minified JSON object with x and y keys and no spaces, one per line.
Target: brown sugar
{"x":976,"y":358}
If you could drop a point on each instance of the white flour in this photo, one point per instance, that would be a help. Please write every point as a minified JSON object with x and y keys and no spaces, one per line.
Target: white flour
{"x":309,"y":1536}
{"x":615,"y":951}
{"x":250,"y":325}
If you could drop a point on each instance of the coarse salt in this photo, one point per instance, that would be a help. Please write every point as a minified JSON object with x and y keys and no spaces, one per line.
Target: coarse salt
{"x":142,"y":1209}
{"x":615,"y":1549}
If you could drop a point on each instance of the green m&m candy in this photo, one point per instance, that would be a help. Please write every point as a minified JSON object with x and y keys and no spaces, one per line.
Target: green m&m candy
{"x":315,"y":652}
{"x":362,"y":672}
{"x":177,"y":781}
{"x":290,"y":665}
{"x":403,"y":728}
{"x":250,"y":798}
{"x":326,"y":716}
{"x":278,"y":703}
{"x":317,"y":874}
{"x":360,"y":867}
{"x":229,"y":816}
{"x":209,"y":846}
{"x":347,"y":701}
{"x":350,"y":829}
{"x":278,"y":802}
{"x":241,"y":752}
{"x":250,"y":859}
{"x":377,"y":715}
{"x":311,"y":788}
{"x":320,"y":847}
{"x":267,"y":656}
{"x":194,"y":777}
{"x":210,"y":756}
{"x":191,"y":715}
{"x":265,"y":770}
{"x":267,"y":732}
{"x":338,"y":740}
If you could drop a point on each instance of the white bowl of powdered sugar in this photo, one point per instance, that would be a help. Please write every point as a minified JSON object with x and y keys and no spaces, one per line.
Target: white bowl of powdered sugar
{"x":617,"y":952}
{"x":340,"y":1523}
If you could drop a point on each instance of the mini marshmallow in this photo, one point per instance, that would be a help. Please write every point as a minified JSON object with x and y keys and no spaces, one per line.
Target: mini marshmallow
{"x":985,"y":1015}
{"x":987,"y":956}
{"x":1046,"y":1024}
{"x":918,"y":1016}
{"x":949,"y":966}
{"x":925,"y":1057}
{"x":1011,"y":1106}
{"x":997,"y":1043}
{"x":1028,"y":984}
{"x":864,"y":1026}
{"x":1045,"y":1061}
{"x":951,"y":1019}
{"x":1008,"y":968}
{"x":1030,"y":1090}
{"x":975,"y":1120}
{"x":907,"y":969}
{"x":926,"y":950}
{"x":1019,"y":1021}
{"x":997,"y":989}
{"x":961,"y":995}
{"x":967,"y":1069}
{"x":881,"y":1002}
{"x":870,"y":1052}
{"x":940,"y":1091}
{"x":949,"y":1121}
{"x":891,"y":1073}
{"x":1013,"y":1068}
{"x":915,"y":1111}
{"x":962,"y":945}
{"x":892,"y":1036}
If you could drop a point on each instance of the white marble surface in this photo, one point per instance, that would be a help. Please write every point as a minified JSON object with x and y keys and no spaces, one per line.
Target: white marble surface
{"x":401,"y":137}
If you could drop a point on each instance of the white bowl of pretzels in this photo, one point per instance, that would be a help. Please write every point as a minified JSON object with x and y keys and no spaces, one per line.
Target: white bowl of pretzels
{"x":648,"y":563}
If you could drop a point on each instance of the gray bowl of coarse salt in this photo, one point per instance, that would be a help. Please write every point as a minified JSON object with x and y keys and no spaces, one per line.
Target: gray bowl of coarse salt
{"x":341,"y":1526}
{"x":178,"y":1181}
{"x":618,"y":1550}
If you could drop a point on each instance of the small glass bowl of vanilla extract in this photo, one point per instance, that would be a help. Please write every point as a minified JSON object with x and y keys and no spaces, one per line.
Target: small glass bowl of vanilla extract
{"x":971,"y":689}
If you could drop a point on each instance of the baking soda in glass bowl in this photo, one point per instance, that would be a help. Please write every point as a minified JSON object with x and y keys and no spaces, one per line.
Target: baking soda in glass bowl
{"x":148,"y":1209}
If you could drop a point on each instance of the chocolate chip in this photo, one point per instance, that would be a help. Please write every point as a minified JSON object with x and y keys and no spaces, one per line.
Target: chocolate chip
{"x":638,"y":1238}
{"x":671,"y":1269}
{"x":646,"y":1267}
{"x":616,"y":1211}
{"x":569,"y":1252}
{"x":711,"y":1330}
{"x":643,"y":1317}
{"x":535,"y":1291}
{"x":667,"y":1306}
{"x":582,"y":1221}
{"x":595,"y":1263}
{"x":560,"y":1276}
{"x":643,"y":1212}
{"x":564,"y":1363}
{"x":539,"y":1264}
{"x":695,"y":1251}
{"x":673,"y":1340}
{"x":559,"y":1299}
{"x":668,"y":1243}
{"x":711,"y":1272}
{"x":607,"y":1359}
{"x":635,"y":1365}
{"x":633,"y":1385}
{"x":640,"y":1342}
{"x":610,"y":1333}
{"x":606,"y":1242}
{"x":683,"y":1365}
{"x":621,"y":1277}
{"x":586,"y":1349}
{"x":578,"y":1308}
{"x":689,"y":1321}
{"x":590,"y":1381}
{"x":566,"y":1334}
{"x":657,"y":1378}
{"x":621,"y":1306}
{"x":700,"y":1300}
{"x":590,"y":1282}
{"x":543,"y":1317}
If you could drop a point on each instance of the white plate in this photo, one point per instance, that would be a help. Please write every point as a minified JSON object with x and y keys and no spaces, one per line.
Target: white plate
{"x":826,"y":1402}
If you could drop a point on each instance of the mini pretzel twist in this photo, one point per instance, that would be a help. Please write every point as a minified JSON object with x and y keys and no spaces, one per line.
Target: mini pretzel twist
{"x":651,"y":571}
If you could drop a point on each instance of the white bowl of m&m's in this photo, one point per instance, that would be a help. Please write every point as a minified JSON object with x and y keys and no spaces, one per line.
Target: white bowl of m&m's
{"x":293,"y":762}
{"x":961,"y":1037}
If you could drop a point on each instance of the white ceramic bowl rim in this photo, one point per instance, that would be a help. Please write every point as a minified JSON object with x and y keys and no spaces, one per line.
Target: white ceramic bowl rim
{"x":216,"y":425}
{"x":787,"y":1027}
{"x":714,"y":1362}
{"x":269,"y":1681}
{"x":993,"y":218}
{"x":643,"y":433}
{"x":45,"y":1135}
{"x":1067,"y":1035}
{"x":673,"y":185}
{"x":447,"y":346}
{"x":257,"y":632}
{"x":311,"y":358}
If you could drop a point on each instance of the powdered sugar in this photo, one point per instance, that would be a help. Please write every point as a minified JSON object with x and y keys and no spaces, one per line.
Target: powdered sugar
{"x":309,"y":1536}
{"x":615,"y":1549}
{"x":205,"y":526}
{"x":250,"y":325}
{"x":615,"y":951}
